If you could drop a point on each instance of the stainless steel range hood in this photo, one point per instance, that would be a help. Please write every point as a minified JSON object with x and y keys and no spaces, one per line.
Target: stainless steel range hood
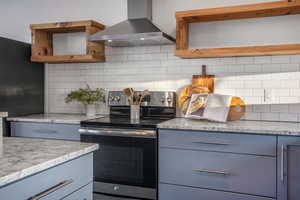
{"x":138,"y":30}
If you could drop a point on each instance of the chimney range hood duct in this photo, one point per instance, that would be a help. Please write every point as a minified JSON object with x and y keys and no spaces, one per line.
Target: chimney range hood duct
{"x":138,"y":30}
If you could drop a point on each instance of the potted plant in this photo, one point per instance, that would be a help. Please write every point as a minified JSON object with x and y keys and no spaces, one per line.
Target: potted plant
{"x":88,"y":97}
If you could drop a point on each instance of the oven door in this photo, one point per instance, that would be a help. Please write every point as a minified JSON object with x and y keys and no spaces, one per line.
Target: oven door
{"x":125,"y":164}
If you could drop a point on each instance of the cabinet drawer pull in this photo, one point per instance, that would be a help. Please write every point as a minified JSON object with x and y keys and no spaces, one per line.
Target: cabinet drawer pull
{"x":45,"y":131}
{"x":222,"y":172}
{"x":282,"y":164}
{"x":51,"y":190}
{"x":211,"y":143}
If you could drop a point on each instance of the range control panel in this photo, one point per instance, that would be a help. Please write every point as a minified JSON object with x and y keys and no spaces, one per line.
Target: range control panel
{"x":158,"y":99}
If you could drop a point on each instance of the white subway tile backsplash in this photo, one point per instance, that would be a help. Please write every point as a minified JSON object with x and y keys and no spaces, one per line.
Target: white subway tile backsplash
{"x":289,"y":67}
{"x":295,"y":59}
{"x":229,"y":60}
{"x":261,"y":108}
{"x":236,"y":68}
{"x":271,"y":68}
{"x":271,"y":84}
{"x":281,"y":59}
{"x":262,"y":59}
{"x":156,"y":68}
{"x":245,"y":60}
{"x":253,"y":68}
{"x":295,"y":92}
{"x":258,"y":92}
{"x":252,"y":116}
{"x":279,"y":108}
{"x":294,"y":108}
{"x":288,"y":100}
{"x":289,"y":84}
{"x":253,"y":84}
{"x":270,"y":116}
{"x":288,"y":117}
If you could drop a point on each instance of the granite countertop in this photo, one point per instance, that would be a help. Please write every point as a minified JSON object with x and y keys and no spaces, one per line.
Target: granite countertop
{"x":254,"y":127}
{"x":53,"y":118}
{"x":23,"y":157}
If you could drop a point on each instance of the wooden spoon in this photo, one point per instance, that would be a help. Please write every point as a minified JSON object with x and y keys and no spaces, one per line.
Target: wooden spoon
{"x":129,"y":92}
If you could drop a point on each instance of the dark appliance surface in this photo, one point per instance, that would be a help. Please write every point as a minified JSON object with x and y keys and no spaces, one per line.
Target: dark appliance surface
{"x":21,"y":81}
{"x":125,"y":166}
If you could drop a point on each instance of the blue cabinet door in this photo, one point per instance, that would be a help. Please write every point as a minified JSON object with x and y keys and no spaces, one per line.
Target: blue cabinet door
{"x":45,"y":130}
{"x":219,"y":171}
{"x":175,"y":192}
{"x":85,"y":193}
{"x":288,"y":162}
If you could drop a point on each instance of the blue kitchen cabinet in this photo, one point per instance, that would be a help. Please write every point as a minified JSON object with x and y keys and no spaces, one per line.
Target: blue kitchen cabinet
{"x":198,"y":165}
{"x":69,"y":180}
{"x":176,"y":192}
{"x":45,"y":130}
{"x":84,"y":193}
{"x":288,"y":162}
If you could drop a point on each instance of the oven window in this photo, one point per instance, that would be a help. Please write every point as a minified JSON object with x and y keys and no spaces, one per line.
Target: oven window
{"x":124,"y":160}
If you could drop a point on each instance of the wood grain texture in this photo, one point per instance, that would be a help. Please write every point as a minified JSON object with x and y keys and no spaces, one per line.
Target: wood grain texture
{"x":182,"y":35}
{"x":67,"y":26}
{"x":240,"y":51}
{"x":278,"y":8}
{"x":96,"y":49}
{"x":42,"y":42}
{"x":269,"y":9}
{"x":67,"y":59}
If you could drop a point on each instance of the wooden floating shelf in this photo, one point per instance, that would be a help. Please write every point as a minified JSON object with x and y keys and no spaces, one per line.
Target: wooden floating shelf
{"x":240,"y":51}
{"x":240,"y":12}
{"x":68,"y":59}
{"x":279,"y":8}
{"x":42,"y":42}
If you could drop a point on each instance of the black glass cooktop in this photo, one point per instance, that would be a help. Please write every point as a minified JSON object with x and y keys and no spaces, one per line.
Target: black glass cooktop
{"x":119,"y":122}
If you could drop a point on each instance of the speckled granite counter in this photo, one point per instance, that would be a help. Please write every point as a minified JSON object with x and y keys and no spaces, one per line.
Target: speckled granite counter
{"x":53,"y":118}
{"x":23,"y":157}
{"x":254,"y":127}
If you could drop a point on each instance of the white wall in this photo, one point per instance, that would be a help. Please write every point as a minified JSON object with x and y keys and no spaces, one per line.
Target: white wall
{"x":16,"y":15}
{"x":157,"y":68}
{"x":263,"y":31}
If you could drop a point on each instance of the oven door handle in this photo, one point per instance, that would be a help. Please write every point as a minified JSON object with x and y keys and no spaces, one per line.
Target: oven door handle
{"x":119,"y":132}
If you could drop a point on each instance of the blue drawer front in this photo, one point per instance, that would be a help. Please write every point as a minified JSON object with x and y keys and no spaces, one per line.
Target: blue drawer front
{"x":248,"y":174}
{"x":80,"y":171}
{"x":223,"y":142}
{"x":85,"y":193}
{"x":172,"y":192}
{"x":45,"y":130}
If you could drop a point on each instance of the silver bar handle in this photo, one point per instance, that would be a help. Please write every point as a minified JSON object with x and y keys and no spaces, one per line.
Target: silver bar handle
{"x":118,"y":132}
{"x":81,"y":130}
{"x":51,"y":190}
{"x":282,"y":164}
{"x":212,"y":143}
{"x":221,"y":172}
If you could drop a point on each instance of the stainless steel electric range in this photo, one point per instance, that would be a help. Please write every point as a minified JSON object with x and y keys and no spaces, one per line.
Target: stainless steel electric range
{"x":125,"y":166}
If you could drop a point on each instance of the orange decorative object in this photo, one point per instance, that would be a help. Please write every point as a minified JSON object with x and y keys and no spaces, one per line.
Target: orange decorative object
{"x":206,"y":82}
{"x":203,"y":83}
{"x":237,"y":109}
